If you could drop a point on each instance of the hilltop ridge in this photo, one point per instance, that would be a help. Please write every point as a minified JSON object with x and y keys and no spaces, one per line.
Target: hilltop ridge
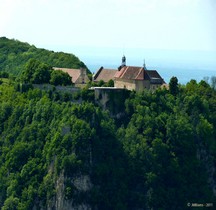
{"x":14,"y":54}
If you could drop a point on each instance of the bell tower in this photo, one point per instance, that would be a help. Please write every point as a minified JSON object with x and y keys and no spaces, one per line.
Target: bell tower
{"x":123,"y":61}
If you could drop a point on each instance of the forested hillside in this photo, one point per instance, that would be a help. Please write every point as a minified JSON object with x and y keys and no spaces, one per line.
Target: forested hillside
{"x":60,"y":153}
{"x":14,"y":54}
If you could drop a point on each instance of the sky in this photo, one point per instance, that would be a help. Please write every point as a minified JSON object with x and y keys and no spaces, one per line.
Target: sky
{"x":91,"y":28}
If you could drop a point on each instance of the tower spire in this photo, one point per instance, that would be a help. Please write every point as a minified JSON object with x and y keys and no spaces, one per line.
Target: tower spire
{"x":144,"y":65}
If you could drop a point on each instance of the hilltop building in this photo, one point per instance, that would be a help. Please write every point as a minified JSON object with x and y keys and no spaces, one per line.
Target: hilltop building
{"x":130,"y":77}
{"x":79,"y":76}
{"x":104,"y":74}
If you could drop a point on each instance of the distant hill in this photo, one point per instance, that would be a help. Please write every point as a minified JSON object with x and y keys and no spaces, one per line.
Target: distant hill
{"x":14,"y":54}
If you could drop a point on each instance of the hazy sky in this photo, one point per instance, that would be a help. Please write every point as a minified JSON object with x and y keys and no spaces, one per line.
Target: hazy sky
{"x":147,"y":24}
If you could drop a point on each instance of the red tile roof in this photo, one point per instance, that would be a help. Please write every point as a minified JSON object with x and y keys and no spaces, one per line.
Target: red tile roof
{"x":131,"y":73}
{"x":104,"y":74}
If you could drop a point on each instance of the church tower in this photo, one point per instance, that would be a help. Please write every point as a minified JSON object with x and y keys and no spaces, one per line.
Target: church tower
{"x":123,"y":61}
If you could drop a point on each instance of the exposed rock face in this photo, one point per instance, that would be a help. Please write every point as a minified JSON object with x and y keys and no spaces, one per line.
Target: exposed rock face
{"x":208,"y":160}
{"x":60,"y":187}
{"x":81,"y":183}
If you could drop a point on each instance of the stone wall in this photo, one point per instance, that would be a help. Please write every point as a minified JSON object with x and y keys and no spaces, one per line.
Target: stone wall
{"x":137,"y":85}
{"x":154,"y":86}
{"x":112,"y":99}
{"x":81,"y":183}
{"x":127,"y":84}
{"x":83,"y":78}
{"x":58,"y":88}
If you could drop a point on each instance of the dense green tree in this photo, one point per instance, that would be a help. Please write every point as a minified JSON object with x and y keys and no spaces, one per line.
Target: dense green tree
{"x":42,"y":74}
{"x":173,"y":86}
{"x":30,"y":67}
{"x":4,"y":74}
{"x":110,"y":83}
{"x":36,"y":72}
{"x":11,"y":203}
{"x":59,"y":77}
{"x":39,"y":73}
